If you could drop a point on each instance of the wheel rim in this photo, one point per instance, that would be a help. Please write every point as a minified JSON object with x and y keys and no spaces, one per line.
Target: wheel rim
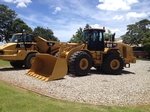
{"x":32,"y":60}
{"x":83,"y":63}
{"x":115,"y":64}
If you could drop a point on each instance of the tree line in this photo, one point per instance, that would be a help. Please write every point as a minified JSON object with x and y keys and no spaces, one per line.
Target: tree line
{"x":138,"y":34}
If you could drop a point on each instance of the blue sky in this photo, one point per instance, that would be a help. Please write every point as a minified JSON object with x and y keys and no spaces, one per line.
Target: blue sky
{"x":64,"y":17}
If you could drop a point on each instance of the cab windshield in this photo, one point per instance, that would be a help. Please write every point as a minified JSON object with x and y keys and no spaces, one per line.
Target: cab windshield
{"x":93,"y":35}
{"x":86,"y":35}
{"x":21,"y":38}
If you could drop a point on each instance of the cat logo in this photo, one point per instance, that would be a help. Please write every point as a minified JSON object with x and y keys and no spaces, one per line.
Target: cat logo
{"x":111,"y":45}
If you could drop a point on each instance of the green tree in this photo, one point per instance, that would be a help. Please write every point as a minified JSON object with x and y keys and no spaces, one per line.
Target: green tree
{"x":126,"y":39}
{"x":7,"y":16}
{"x":77,"y":38}
{"x":45,"y":33}
{"x":146,"y":43}
{"x":136,"y":32}
{"x":87,"y":26}
{"x":108,"y":34}
{"x":19,"y":25}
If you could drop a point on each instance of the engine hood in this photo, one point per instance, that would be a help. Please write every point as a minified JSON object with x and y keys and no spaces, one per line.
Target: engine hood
{"x":8,"y":46}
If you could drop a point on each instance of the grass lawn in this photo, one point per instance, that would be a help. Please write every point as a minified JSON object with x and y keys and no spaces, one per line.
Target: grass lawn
{"x":13,"y":99}
{"x":4,"y":63}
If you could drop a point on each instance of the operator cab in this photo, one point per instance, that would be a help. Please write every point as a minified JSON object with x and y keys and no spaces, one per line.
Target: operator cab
{"x":94,"y":38}
{"x":22,"y":38}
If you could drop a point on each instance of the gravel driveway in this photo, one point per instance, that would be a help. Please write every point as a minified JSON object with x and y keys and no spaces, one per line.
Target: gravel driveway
{"x":130,"y":88}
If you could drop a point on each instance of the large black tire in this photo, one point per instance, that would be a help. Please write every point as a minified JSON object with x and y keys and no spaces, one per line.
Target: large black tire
{"x":29,"y":60}
{"x":113,"y":64}
{"x":80,"y":63}
{"x":16,"y":64}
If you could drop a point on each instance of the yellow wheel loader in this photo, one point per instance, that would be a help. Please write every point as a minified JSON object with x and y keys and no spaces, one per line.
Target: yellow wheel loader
{"x":95,"y":51}
{"x":21,"y":50}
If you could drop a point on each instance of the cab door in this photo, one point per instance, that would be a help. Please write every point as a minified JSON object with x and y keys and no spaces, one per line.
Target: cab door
{"x":96,"y":41}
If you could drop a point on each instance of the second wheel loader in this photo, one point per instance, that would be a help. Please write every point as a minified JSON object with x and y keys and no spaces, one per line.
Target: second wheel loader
{"x":78,"y":59}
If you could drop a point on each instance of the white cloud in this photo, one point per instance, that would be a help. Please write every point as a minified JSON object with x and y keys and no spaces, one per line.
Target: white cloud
{"x":20,"y":3}
{"x":9,"y":1}
{"x":111,"y":29}
{"x":117,"y":17}
{"x":56,"y":10}
{"x":118,"y":31}
{"x":96,"y":26}
{"x":114,"y":30}
{"x":135,"y":15}
{"x":115,"y":5}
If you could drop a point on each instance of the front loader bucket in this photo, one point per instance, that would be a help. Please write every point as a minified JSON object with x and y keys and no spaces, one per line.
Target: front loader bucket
{"x":48,"y":67}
